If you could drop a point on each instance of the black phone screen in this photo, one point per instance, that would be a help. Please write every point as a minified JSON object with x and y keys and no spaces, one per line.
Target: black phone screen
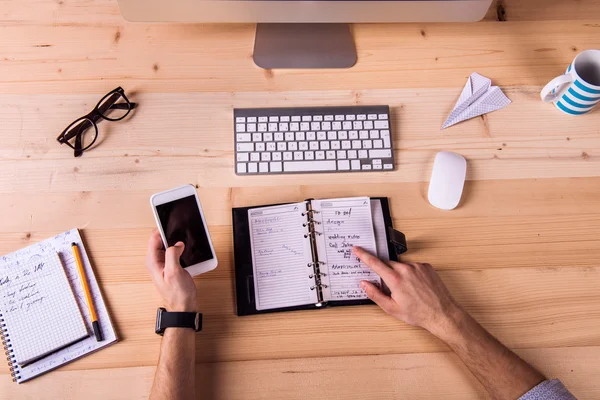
{"x":181,"y":222}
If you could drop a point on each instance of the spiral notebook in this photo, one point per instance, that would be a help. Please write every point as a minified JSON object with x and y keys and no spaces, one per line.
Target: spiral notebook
{"x":299,"y":255}
{"x":44,"y":315}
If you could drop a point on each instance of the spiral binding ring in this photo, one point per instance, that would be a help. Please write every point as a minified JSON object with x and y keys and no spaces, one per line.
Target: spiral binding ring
{"x":310,"y":211}
{"x":318,"y":273}
{"x":320,"y":286}
{"x":12,"y":362}
{"x":318,"y":233}
{"x":311,"y":221}
{"x":315,"y":264}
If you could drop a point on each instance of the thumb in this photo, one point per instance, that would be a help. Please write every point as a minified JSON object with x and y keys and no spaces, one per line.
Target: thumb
{"x":384,"y":302}
{"x":172,"y":256}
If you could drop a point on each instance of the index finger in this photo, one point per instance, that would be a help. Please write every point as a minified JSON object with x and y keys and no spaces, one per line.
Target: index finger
{"x":380,"y":268}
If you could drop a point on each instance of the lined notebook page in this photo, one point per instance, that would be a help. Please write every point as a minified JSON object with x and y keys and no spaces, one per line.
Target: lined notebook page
{"x":280,"y":255}
{"x":345,"y":223}
{"x":39,"y":308}
{"x":62,"y":244}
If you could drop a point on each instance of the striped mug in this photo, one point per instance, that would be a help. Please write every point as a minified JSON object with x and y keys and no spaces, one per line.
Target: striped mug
{"x":578,"y":90}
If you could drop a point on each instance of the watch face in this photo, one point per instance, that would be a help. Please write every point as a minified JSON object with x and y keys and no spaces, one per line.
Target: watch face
{"x":158,"y":330}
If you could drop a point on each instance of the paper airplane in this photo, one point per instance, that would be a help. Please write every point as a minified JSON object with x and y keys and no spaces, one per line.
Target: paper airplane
{"x":477,"y":98}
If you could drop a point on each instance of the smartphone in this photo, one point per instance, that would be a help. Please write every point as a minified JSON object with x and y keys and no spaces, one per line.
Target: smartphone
{"x":179,"y":217}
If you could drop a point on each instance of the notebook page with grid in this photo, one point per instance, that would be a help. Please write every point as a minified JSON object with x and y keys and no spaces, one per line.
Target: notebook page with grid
{"x":39,"y":308}
{"x":61,"y":244}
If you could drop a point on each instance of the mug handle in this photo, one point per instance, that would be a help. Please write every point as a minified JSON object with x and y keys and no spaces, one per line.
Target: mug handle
{"x":555,"y":83}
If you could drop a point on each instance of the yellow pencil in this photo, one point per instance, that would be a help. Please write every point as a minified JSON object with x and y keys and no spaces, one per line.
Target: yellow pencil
{"x":86,"y":290}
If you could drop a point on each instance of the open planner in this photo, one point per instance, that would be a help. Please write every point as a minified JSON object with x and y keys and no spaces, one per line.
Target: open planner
{"x":45,"y":321}
{"x":299,"y":255}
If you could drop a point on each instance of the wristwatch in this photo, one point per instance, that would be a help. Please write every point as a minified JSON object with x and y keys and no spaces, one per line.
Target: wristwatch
{"x":165,"y":319}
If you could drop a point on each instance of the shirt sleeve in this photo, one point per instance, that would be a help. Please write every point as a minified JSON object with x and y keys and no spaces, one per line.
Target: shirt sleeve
{"x":549,"y":390}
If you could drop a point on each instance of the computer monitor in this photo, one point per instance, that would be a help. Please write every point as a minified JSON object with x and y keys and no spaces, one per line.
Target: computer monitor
{"x":303,"y":34}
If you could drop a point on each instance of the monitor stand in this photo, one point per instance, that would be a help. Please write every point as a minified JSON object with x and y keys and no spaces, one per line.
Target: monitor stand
{"x":304,"y":46}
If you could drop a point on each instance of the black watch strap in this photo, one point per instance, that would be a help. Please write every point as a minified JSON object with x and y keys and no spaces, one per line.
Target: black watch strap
{"x":166,"y":319}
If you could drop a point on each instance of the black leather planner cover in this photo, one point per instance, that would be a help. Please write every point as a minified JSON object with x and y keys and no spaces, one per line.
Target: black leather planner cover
{"x":244,"y":282}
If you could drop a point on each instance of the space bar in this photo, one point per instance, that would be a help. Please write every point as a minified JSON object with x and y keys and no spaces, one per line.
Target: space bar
{"x":300,"y":166}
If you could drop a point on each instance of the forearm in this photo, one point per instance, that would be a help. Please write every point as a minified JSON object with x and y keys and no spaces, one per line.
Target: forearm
{"x":503,"y":374}
{"x":175,"y":374}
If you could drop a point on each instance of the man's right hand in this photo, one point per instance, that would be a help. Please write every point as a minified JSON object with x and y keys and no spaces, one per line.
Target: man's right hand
{"x":418,"y":295}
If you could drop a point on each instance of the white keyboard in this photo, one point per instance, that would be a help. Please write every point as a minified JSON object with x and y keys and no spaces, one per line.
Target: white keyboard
{"x":307,"y":140}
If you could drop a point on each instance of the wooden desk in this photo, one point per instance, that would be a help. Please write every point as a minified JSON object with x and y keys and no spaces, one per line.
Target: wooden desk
{"x":521,"y":252}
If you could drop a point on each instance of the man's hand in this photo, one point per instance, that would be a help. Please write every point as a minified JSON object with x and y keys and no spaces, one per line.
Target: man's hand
{"x":418,"y":295}
{"x":174,"y":284}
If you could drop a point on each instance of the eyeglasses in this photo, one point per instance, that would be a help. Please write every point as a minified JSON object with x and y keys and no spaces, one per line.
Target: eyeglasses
{"x":80,"y":136}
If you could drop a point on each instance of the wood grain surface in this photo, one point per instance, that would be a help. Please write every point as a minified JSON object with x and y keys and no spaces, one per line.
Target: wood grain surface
{"x":520,"y":252}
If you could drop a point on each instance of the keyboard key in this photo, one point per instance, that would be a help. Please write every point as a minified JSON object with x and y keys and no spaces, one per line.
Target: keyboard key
{"x":257,"y":137}
{"x":358,"y":125}
{"x":293,"y":146}
{"x":243,"y":137}
{"x":378,"y":144}
{"x":252,"y":168}
{"x":284,"y":119}
{"x":311,"y":136}
{"x":324,"y":145}
{"x":240,"y":120}
{"x":251,"y":127}
{"x":347,"y":125}
{"x":306,"y":118}
{"x":353,"y":135}
{"x":300,"y":136}
{"x":388,"y":166}
{"x":240,"y":127}
{"x":296,"y":118}
{"x":276,"y":156}
{"x":355,"y":164}
{"x":281,"y":146}
{"x":304,"y":126}
{"x":381,"y":125}
{"x":260,"y":147}
{"x":377,"y":166}
{"x":367,"y":144}
{"x":289,"y":136}
{"x":366,"y":167}
{"x":373,"y":134}
{"x":309,"y":155}
{"x":382,"y":116}
{"x":262,"y":119}
{"x":262,"y":127}
{"x":385,"y":135}
{"x":336,"y":126}
{"x":263,"y":167}
{"x":298,"y":155}
{"x":330,"y":155}
{"x":364,"y":134}
{"x":294,"y":127}
{"x":341,"y":154}
{"x":245,"y":147}
{"x":317,"y":118}
{"x":321,"y":136}
{"x":313,"y":145}
{"x":241,"y":168}
{"x":352,"y":154}
{"x":350,"y":117}
{"x":372,"y":116}
{"x":278,"y":136}
{"x":361,"y":117}
{"x":368,"y":124}
{"x":385,"y":153}
{"x":326,"y":126}
{"x":274,"y":119}
{"x":328,"y":118}
{"x":268,"y":137}
{"x":336,"y":145}
{"x":342,"y":135}
{"x":320,"y":155}
{"x":284,"y":126}
{"x":273,"y":126}
{"x":343,"y":165}
{"x":331,"y":135}
{"x":271,"y":146}
{"x":251,"y":119}
{"x":254,"y":156}
{"x":276,"y":166}
{"x":265,"y":156}
{"x":288,"y":155}
{"x":356,"y":144}
{"x":339,"y":117}
{"x":315,"y":126}
{"x":243,"y":156}
{"x":346,"y":145}
{"x":308,"y":166}
{"x":363,"y":154}
{"x":303,"y":145}
{"x":376,"y":162}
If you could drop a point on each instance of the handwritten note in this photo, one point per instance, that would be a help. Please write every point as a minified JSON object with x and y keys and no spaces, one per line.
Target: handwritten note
{"x":345,"y":223}
{"x":280,"y":255}
{"x":12,"y":263}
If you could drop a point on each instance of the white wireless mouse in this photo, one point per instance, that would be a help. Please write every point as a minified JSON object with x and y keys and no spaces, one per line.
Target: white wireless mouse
{"x":447,"y":180}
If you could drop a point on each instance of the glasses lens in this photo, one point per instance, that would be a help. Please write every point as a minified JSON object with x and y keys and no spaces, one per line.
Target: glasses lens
{"x":114,"y":106}
{"x":81,"y":134}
